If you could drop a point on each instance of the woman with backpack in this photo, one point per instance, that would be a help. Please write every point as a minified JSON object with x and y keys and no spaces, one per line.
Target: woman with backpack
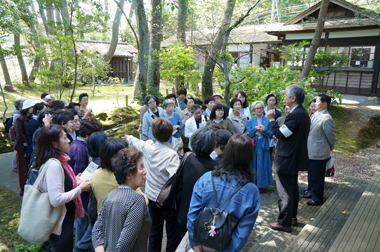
{"x":232,"y":177}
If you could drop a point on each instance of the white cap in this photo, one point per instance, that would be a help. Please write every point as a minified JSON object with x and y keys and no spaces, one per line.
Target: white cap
{"x":27,"y":104}
{"x":217,"y":94}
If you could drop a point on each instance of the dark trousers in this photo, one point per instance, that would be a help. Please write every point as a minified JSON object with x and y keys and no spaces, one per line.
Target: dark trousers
{"x":64,"y":242}
{"x":22,"y":166}
{"x":158,"y":216}
{"x":288,"y":196}
{"x":316,"y":179}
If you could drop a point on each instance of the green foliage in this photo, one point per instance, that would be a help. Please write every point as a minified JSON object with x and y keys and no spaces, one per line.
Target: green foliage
{"x":259,"y":83}
{"x":325,"y":63}
{"x":177,"y":61}
{"x":218,"y":76}
{"x":295,"y":53}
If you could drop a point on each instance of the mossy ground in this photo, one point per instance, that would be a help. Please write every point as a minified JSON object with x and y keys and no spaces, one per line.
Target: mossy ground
{"x":9,"y":218}
{"x":353,"y":135}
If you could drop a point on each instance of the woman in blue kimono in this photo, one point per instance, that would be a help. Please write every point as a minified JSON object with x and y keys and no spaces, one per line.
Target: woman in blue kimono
{"x":258,"y":128}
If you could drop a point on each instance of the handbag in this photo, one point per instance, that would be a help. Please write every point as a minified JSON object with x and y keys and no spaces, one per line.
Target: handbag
{"x":38,"y":217}
{"x":213,"y":227}
{"x":166,"y":197}
{"x":330,"y":170}
{"x":12,"y":133}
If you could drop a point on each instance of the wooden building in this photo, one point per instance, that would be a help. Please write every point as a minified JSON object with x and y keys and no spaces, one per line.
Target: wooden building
{"x":122,"y":60}
{"x":247,"y":44}
{"x":349,"y":29}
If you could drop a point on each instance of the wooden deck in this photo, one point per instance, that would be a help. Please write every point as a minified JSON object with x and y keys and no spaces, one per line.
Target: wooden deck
{"x":320,"y":233}
{"x":276,"y":241}
{"x":362,"y":229}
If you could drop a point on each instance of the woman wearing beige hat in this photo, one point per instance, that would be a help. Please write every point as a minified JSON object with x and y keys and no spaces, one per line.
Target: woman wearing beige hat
{"x":20,"y":126}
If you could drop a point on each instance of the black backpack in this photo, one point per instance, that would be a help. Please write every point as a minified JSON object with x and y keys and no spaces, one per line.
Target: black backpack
{"x":212,"y":227}
{"x":8,"y":124}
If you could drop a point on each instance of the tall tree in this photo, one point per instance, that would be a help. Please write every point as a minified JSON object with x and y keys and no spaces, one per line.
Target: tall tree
{"x":316,"y":38}
{"x":224,"y":53}
{"x":115,"y":32}
{"x":209,"y":66}
{"x":181,"y":32}
{"x":8,"y":82}
{"x":155,"y":44}
{"x":181,"y":19}
{"x":20,"y":59}
{"x":143,"y":34}
{"x":30,"y":19}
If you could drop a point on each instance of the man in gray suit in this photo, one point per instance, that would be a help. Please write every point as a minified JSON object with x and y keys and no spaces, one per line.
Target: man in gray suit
{"x":320,"y":143}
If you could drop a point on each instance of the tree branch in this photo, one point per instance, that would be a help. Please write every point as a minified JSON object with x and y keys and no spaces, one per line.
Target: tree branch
{"x":224,"y":53}
{"x":129,"y":23}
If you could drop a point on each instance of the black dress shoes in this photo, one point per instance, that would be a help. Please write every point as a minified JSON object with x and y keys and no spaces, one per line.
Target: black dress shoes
{"x":307,"y":195}
{"x":314,"y":203}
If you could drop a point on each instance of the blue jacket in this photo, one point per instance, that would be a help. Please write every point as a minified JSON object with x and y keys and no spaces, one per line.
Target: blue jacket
{"x":174,"y":120}
{"x":147,"y":120}
{"x":243,"y":207}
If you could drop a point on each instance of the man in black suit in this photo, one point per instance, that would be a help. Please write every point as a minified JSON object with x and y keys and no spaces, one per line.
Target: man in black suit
{"x":291,"y":156}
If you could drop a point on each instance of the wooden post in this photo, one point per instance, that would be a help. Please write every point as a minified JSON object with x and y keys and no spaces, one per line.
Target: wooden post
{"x":167,"y":92}
{"x":126,"y":100}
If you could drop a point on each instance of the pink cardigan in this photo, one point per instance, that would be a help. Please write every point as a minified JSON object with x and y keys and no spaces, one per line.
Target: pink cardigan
{"x":52,"y":184}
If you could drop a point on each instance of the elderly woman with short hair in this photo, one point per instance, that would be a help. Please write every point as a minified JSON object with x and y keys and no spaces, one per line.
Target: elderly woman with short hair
{"x":238,"y":120}
{"x":258,"y":129}
{"x":153,"y":112}
{"x":173,"y":117}
{"x":161,"y":162}
{"x":124,"y":222}
{"x":197,"y":163}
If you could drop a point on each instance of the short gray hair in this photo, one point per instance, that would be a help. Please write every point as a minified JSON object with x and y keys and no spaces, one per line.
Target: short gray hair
{"x":203,"y":141}
{"x":167,"y":102}
{"x":255,"y":103}
{"x":296,"y":91}
{"x":18,"y":103}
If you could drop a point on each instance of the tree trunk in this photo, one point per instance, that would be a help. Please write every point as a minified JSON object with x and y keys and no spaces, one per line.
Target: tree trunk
{"x":20,"y":59}
{"x":136,"y":86}
{"x":227,"y":81}
{"x":181,"y":33}
{"x":316,"y":39}
{"x":131,"y":9}
{"x":32,"y":23}
{"x":115,"y":32}
{"x":66,"y":20}
{"x":155,"y":44}
{"x":58,"y":19}
{"x":43,"y":17}
{"x":215,"y":50}
{"x":143,"y":46}
{"x":106,"y":11}
{"x":181,"y":19}
{"x":50,"y":15}
{"x":8,"y":83}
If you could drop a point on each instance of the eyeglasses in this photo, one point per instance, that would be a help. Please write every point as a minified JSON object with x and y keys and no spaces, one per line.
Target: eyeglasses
{"x":259,"y":108}
{"x":151,"y":102}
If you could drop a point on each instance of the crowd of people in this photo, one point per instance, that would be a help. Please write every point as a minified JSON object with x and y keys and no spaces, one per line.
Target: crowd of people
{"x":232,"y":147}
